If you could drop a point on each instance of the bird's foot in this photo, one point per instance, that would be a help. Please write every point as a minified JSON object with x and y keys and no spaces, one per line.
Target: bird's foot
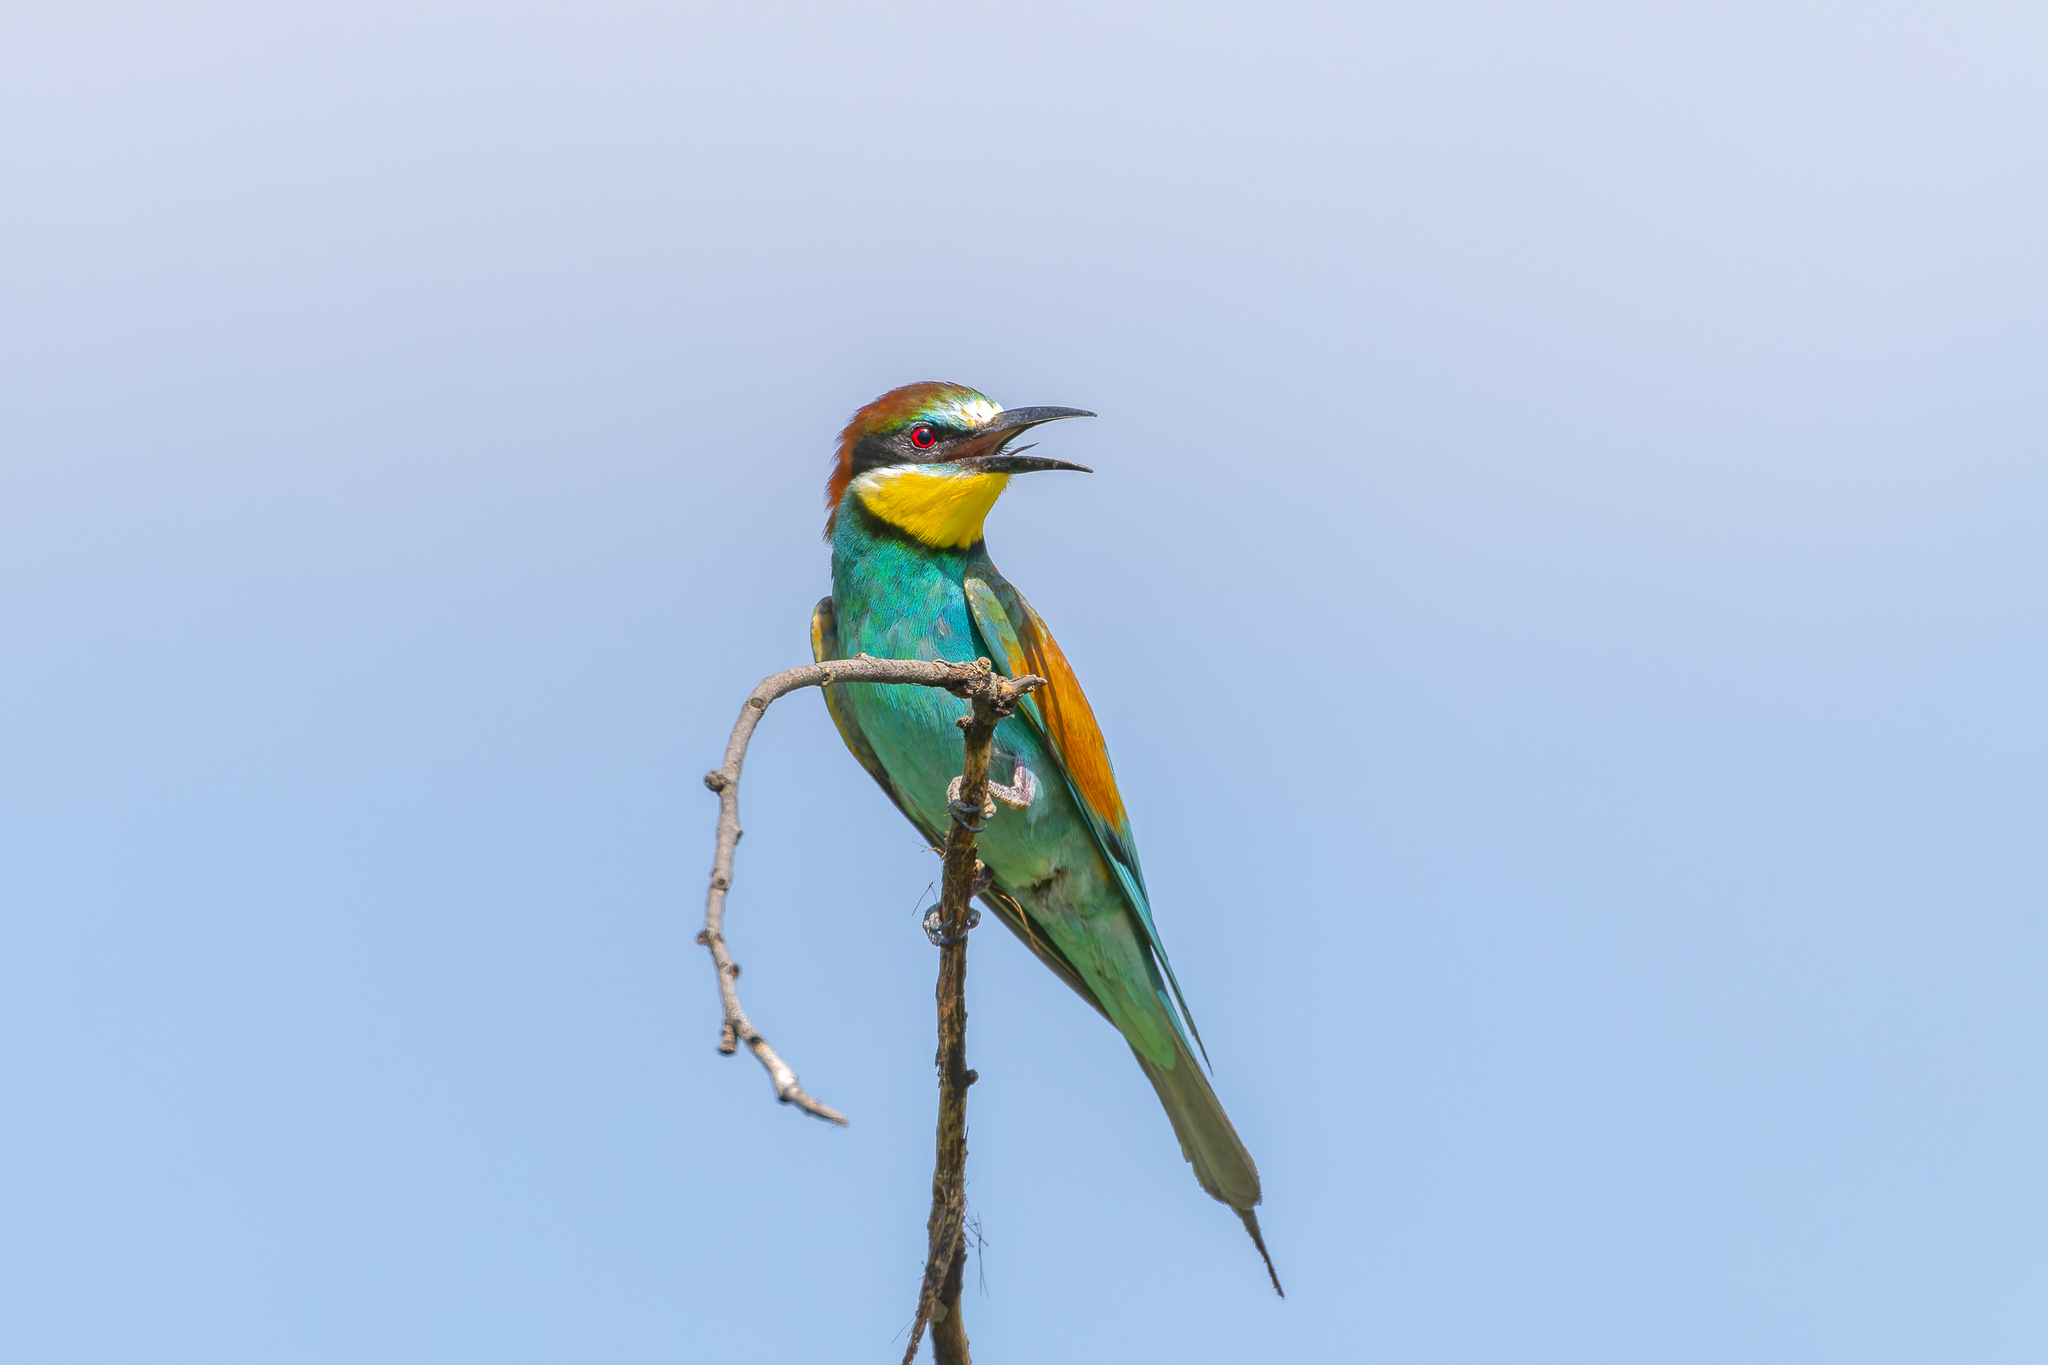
{"x":1021,"y":792}
{"x":935,"y":928}
{"x":965,"y":815}
{"x":1019,"y":795}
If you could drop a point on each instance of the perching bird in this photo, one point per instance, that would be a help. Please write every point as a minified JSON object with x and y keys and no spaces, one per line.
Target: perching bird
{"x":917,"y":471}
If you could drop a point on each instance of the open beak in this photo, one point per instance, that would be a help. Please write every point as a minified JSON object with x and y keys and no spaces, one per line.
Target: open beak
{"x":985,"y":453}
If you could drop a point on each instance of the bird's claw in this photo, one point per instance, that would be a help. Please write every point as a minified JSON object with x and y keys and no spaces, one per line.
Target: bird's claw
{"x":1019,"y":795}
{"x":935,"y":927}
{"x":965,"y":815}
{"x":1021,"y":792}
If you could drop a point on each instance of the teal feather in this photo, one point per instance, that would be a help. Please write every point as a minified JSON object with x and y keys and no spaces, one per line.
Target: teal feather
{"x":1064,"y":871}
{"x":985,"y":598}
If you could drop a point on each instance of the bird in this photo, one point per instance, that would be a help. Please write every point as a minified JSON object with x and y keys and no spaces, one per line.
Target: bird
{"x":914,"y":476}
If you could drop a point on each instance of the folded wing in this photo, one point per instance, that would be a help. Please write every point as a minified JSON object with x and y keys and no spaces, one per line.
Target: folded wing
{"x":825,"y":646}
{"x":1019,"y":643}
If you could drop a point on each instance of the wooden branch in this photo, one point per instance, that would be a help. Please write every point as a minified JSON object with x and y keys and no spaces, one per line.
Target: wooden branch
{"x":737,"y":1028}
{"x":971,"y":805}
{"x":971,"y":802}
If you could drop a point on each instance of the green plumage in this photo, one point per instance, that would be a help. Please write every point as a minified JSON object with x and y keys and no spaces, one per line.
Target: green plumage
{"x":1064,"y":871}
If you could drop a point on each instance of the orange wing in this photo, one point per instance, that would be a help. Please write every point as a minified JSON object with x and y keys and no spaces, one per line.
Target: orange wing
{"x":1060,"y":708}
{"x":1061,"y":712}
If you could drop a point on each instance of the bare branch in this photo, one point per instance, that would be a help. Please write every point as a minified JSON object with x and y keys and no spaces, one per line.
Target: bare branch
{"x":971,"y":801}
{"x":736,"y":1027}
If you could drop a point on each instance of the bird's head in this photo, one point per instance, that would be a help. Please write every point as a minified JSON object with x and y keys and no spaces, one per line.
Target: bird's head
{"x":931,"y":459}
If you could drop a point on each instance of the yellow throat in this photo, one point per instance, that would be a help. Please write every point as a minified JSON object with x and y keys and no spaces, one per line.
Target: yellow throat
{"x":941,"y":507}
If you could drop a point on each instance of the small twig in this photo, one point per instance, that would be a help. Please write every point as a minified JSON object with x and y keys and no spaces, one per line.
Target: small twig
{"x":736,"y":1028}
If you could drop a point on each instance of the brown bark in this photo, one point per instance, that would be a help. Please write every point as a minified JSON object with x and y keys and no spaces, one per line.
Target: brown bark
{"x":736,"y":1028}
{"x":972,"y":803}
{"x":938,"y":1299}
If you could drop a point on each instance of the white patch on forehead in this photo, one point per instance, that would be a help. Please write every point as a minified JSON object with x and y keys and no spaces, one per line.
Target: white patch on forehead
{"x":974,"y":412}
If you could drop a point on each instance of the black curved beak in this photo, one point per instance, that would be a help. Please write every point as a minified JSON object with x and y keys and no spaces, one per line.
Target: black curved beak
{"x":1008,"y":425}
{"x":1023,"y":419}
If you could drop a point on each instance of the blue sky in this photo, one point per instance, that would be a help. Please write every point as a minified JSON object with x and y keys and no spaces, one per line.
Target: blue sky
{"x":1562,"y":586}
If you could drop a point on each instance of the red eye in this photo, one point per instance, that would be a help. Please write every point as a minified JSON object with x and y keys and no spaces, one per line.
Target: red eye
{"x":923,"y":437}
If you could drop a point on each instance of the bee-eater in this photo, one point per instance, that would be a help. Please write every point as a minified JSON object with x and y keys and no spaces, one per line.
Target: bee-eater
{"x":916,"y":472}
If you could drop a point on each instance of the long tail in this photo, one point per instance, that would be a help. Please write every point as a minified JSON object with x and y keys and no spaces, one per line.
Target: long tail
{"x":1209,"y":1142}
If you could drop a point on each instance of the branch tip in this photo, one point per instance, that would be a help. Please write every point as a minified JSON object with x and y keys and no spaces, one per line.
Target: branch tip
{"x":991,"y":695}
